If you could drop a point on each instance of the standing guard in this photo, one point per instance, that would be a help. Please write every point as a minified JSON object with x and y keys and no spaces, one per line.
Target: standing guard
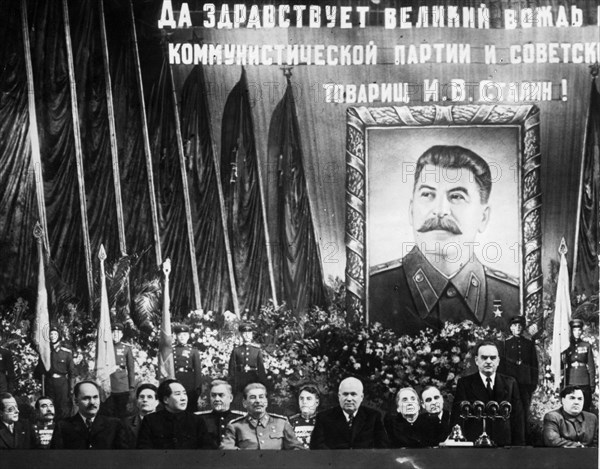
{"x":187,"y":365}
{"x":578,"y":363}
{"x":122,"y":381}
{"x":246,"y":362}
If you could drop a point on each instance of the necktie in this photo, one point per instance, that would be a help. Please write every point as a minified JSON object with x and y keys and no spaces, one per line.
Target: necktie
{"x":489,"y":386}
{"x":350,"y":420}
{"x":88,"y":424}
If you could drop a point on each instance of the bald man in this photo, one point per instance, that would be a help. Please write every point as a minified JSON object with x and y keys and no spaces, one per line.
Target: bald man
{"x":350,"y":425}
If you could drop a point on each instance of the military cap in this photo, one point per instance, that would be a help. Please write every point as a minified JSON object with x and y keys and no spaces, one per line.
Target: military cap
{"x":518,"y":320}
{"x":246,"y":327}
{"x":54,"y":327}
{"x":576,"y":323}
{"x":181,"y":328}
{"x":117,"y":327}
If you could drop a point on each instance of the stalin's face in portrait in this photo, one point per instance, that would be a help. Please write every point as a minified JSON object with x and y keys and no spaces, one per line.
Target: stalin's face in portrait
{"x":449,"y":206}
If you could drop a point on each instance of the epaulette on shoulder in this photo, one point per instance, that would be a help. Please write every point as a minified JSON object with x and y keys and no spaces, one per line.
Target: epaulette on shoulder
{"x":502,"y":276}
{"x":241,"y":417}
{"x":295,"y":416}
{"x":277,"y":416}
{"x":65,"y":349}
{"x":379,"y":268}
{"x":203,"y":412}
{"x":237,"y":412}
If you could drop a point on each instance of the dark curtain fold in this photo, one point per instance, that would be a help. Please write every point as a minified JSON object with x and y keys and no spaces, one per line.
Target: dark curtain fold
{"x":95,"y":136}
{"x":586,"y":277}
{"x":55,"y":124}
{"x":18,"y":208}
{"x":169,"y":190}
{"x":298,"y":265}
{"x":211,"y":255}
{"x":239,"y":179}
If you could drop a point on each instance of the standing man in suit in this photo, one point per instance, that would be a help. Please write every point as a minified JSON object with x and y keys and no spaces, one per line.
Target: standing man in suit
{"x":487,"y":385}
{"x":122,"y":381}
{"x":59,"y":379}
{"x":146,"y":401}
{"x":14,"y":433}
{"x":436,"y":420}
{"x":87,"y":429}
{"x":216,"y":419}
{"x":518,"y":358}
{"x":350,"y":425}
{"x":173,"y":427}
{"x":188,"y":369}
{"x":578,"y":362}
{"x":246,"y":362}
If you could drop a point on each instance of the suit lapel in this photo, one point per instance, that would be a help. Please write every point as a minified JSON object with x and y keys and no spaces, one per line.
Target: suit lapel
{"x":499,"y":389}
{"x":479,"y":390}
{"x":342,"y":423}
{"x":357,"y":424}
{"x":7,"y":436}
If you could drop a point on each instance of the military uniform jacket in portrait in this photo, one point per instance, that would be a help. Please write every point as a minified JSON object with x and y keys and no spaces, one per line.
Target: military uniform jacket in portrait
{"x":410,"y":295}
{"x":579,"y":365}
{"x":272,"y":431}
{"x":303,"y":428}
{"x":42,"y":433}
{"x":216,"y":423}
{"x":518,"y":358}
{"x":246,"y":366}
{"x":188,"y":369}
{"x":7,"y":371}
{"x":123,"y":380}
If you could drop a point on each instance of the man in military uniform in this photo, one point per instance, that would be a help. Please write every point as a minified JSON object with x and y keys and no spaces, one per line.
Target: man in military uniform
{"x":441,"y":280}
{"x":246,"y":362}
{"x":579,"y":368}
{"x":216,"y":419}
{"x":304,"y":422}
{"x":43,"y":428}
{"x":188,"y":369}
{"x":259,"y":429}
{"x":7,"y":370}
{"x":518,"y":358}
{"x":59,"y":379}
{"x":122,"y":381}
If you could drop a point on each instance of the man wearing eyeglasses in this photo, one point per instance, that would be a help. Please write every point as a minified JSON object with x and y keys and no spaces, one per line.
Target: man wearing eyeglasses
{"x":487,"y":385}
{"x":14,"y":433}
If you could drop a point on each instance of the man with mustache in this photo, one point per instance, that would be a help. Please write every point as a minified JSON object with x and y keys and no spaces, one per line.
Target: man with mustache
{"x":259,"y":429}
{"x":87,"y":429}
{"x":44,"y":426}
{"x":216,"y":419}
{"x":441,"y":279}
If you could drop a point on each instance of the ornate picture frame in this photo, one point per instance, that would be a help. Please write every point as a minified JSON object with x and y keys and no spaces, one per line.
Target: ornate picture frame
{"x":363,"y":122}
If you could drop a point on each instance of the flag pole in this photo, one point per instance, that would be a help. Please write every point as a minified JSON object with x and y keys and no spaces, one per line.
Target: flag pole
{"x":41,"y":330}
{"x":166,"y":365}
{"x":105,"y":351}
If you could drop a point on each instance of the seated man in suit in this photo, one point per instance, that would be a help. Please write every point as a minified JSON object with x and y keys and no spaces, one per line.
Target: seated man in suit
{"x":14,"y":433}
{"x":405,"y":426}
{"x":87,"y":429}
{"x":350,"y":425}
{"x":173,"y":427}
{"x":487,"y":385}
{"x":571,"y":426}
{"x":436,"y":420}
{"x":146,"y":402}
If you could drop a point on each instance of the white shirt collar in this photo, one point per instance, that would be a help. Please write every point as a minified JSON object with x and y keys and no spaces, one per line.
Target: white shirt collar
{"x":485,"y":377}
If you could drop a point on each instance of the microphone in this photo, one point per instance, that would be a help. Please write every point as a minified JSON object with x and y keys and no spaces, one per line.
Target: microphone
{"x":491,"y":409}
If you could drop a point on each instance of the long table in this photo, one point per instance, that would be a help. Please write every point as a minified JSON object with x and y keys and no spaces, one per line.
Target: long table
{"x":443,"y":458}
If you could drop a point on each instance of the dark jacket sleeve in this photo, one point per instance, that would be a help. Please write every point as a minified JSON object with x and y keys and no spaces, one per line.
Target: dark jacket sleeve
{"x":204,"y":439}
{"x":57,"y":438}
{"x":121,"y":438}
{"x":591,"y":368}
{"x":197,"y":368}
{"x":317,"y":438}
{"x":260,"y":368}
{"x":552,"y":436}
{"x":517,"y":416}
{"x":232,"y":364}
{"x":380,"y":433}
{"x":534,"y":365}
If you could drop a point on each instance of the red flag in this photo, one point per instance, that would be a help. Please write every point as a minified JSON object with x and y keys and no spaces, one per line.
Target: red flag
{"x":41,"y":327}
{"x":166,"y":366}
{"x":562,"y":316}
{"x":105,"y":351}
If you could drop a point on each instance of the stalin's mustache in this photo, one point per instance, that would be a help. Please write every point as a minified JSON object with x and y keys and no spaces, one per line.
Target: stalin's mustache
{"x":440,"y":223}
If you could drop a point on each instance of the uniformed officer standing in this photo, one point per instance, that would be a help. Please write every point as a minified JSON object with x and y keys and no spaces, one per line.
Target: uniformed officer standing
{"x":578,"y":363}
{"x":7,"y":370}
{"x":246,"y":362}
{"x":259,"y":429}
{"x":188,"y":370}
{"x":518,"y":358}
{"x":304,"y":422}
{"x":441,"y":280}
{"x":122,"y":381}
{"x":59,"y":379}
{"x":216,"y":419}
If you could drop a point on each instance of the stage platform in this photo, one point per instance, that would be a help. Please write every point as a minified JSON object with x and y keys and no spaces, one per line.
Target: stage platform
{"x":442,"y":458}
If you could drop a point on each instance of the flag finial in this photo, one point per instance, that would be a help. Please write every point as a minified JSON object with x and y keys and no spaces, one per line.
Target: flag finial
{"x":102,"y":253}
{"x":562,"y":249}
{"x":167,"y":267}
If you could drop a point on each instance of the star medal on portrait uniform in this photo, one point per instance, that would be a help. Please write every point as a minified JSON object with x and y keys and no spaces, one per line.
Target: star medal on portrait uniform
{"x":497,"y":308}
